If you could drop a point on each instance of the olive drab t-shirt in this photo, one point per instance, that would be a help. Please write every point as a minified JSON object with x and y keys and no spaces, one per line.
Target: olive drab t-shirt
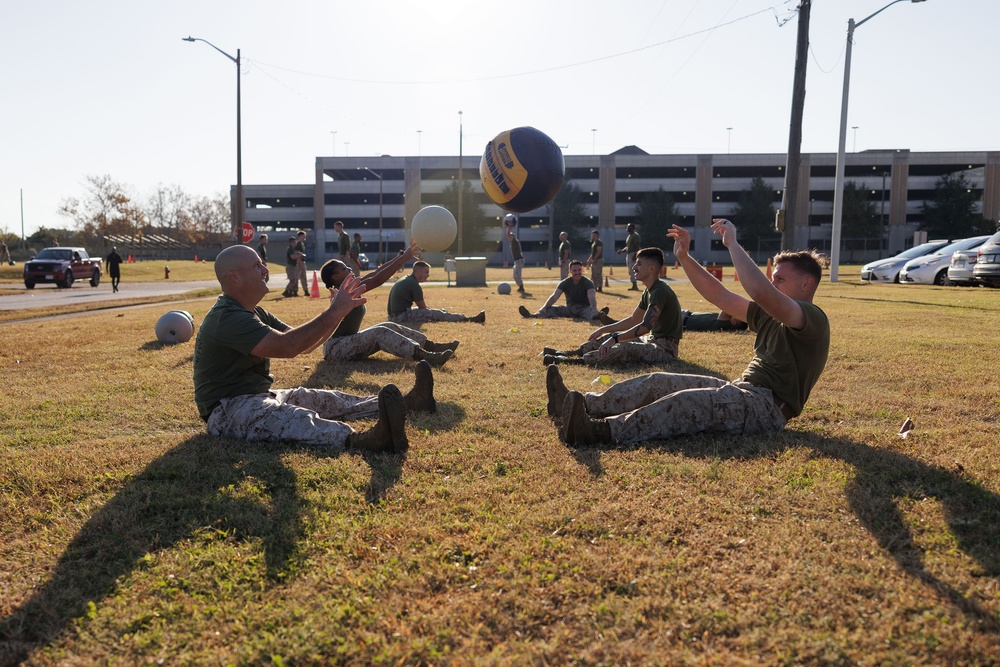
{"x":351,"y":324}
{"x":597,"y":250}
{"x":632,"y":243}
{"x":223,"y":364}
{"x":564,"y":251}
{"x":785,"y":360}
{"x":403,"y":294}
{"x":669,"y":322}
{"x":576,"y":293}
{"x":343,"y":244}
{"x":515,"y":249}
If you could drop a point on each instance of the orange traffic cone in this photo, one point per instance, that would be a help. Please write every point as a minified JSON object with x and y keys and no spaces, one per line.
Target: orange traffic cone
{"x":676,"y":264}
{"x":768,"y":268}
{"x":546,"y":266}
{"x":314,"y":292}
{"x":606,"y":281}
{"x":736,"y":275}
{"x":196,"y":259}
{"x":611,"y":270}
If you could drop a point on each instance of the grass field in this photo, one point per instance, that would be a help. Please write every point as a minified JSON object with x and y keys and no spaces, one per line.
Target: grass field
{"x":129,"y":536}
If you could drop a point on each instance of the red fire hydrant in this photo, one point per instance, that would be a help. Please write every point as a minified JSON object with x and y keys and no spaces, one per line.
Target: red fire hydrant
{"x":166,"y":272}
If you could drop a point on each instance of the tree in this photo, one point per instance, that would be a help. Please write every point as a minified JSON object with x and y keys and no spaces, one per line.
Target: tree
{"x":567,"y":214}
{"x":209,"y":219}
{"x":169,"y":209}
{"x":654,"y":215}
{"x":952,"y":213}
{"x":754,"y":213}
{"x":106,"y":209}
{"x":859,"y":218}
{"x":475,"y":235}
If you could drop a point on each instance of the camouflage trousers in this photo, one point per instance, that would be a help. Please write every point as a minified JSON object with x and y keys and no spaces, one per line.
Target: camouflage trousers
{"x":518,"y":269}
{"x":597,"y":273}
{"x":310,"y":416}
{"x":660,"y":406}
{"x":389,"y":337}
{"x":304,"y":277}
{"x":646,"y":350}
{"x":630,"y":264}
{"x":587,"y":312}
{"x":292,"y":273}
{"x":564,"y":270}
{"x":421,"y":315}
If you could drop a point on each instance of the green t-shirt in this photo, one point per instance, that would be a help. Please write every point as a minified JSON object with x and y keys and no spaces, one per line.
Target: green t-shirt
{"x":262,"y":252}
{"x":301,"y":247}
{"x":351,"y":324}
{"x":594,"y":254}
{"x":289,"y":260}
{"x":344,"y":244}
{"x":403,"y":294}
{"x":576,"y":293}
{"x":633,"y":243}
{"x":515,"y":249}
{"x":223,"y":364}
{"x":668,"y":323}
{"x":355,"y":249}
{"x":785,"y":360}
{"x":564,"y":251}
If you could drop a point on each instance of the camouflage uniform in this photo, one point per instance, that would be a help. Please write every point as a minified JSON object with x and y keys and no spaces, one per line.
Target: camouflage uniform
{"x":659,"y":406}
{"x":388,"y":337}
{"x":311,"y":416}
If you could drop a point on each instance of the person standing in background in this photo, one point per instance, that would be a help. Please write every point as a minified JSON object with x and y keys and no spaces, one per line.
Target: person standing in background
{"x":632,"y":245}
{"x":596,"y":259}
{"x":510,"y":222}
{"x":112,"y":264}
{"x":565,"y":250}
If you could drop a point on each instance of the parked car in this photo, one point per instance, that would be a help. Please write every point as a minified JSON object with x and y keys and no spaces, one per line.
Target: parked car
{"x":932,"y":269}
{"x":364,"y":261}
{"x":887,"y":270}
{"x":962,"y":263}
{"x":987,"y":269}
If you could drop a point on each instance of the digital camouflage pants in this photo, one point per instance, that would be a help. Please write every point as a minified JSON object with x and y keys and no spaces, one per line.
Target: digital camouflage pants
{"x":388,"y":336}
{"x":421,"y":315}
{"x":660,"y":406}
{"x":647,"y":350}
{"x":587,"y":312}
{"x":310,"y":416}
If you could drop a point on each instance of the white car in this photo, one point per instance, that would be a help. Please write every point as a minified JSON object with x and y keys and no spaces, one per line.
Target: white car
{"x":962,"y":264}
{"x":932,"y":269}
{"x":887,"y":270}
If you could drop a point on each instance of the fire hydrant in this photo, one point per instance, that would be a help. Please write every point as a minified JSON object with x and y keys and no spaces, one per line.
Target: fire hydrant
{"x":166,"y":272}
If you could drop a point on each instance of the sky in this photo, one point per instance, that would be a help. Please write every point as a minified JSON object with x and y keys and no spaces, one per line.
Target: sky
{"x":109,"y":87}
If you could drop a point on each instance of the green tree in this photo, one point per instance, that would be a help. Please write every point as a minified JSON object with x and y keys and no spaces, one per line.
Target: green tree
{"x":107,"y":208}
{"x":655,"y":213}
{"x":477,"y":227}
{"x":568,"y":215}
{"x":754,"y":214}
{"x":952,"y":213}
{"x":860,"y":219}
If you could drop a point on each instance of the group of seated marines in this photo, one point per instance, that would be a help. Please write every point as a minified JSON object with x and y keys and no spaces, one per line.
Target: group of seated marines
{"x":237,"y":339}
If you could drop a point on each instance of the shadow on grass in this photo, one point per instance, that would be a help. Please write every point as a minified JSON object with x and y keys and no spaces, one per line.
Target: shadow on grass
{"x":330,"y":375}
{"x":882,"y":477}
{"x":240,"y":488}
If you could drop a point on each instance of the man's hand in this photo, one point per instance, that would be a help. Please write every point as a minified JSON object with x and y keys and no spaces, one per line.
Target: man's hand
{"x":605,"y":347}
{"x":726,"y":229}
{"x":349,"y":296}
{"x":682,"y":241}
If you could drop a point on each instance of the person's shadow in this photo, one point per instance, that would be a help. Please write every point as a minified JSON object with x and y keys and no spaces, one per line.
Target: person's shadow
{"x":241,"y":488}
{"x":882,"y":476}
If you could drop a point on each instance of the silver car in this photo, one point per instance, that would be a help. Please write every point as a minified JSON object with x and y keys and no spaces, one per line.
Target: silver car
{"x":962,"y":263}
{"x":887,"y":270}
{"x":932,"y":269}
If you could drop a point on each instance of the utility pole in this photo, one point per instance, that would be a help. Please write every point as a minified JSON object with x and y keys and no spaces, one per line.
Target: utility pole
{"x":785,"y":219}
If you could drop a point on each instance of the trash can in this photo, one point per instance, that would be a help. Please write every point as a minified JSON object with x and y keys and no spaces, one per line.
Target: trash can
{"x":470,"y":272}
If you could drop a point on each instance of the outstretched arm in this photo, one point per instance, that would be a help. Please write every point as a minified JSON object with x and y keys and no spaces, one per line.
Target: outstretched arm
{"x":305,"y":337}
{"x":782,"y":308}
{"x":702,"y":280}
{"x":552,"y":299}
{"x":378,"y":277}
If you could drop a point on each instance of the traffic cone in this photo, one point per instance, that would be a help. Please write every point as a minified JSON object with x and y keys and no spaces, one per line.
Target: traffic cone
{"x":546,"y":266}
{"x":196,"y":259}
{"x":676,"y":265}
{"x":606,"y":281}
{"x":314,"y":292}
{"x":768,"y":268}
{"x":611,"y":270}
{"x":736,"y":275}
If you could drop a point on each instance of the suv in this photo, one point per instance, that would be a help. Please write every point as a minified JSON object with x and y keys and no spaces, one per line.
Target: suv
{"x":987,"y":269}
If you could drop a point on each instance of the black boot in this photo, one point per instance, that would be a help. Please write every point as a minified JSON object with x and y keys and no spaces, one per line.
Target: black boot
{"x":524,"y":311}
{"x":431,"y":346}
{"x":580,"y":429}
{"x":556,"y":390}
{"x":434,"y":358}
{"x":421,"y":397}
{"x":389,"y":432}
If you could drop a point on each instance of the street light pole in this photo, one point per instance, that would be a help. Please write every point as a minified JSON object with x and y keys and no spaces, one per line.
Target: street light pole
{"x":240,"y":205}
{"x":379,"y":177}
{"x":461,"y":183}
{"x":729,"y":139}
{"x":838,"y":187}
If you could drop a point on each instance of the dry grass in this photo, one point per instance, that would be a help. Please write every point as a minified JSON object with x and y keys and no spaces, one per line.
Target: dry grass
{"x":131,"y":536}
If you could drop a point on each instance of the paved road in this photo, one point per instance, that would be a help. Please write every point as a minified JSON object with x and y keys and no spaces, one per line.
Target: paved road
{"x":82,"y":293}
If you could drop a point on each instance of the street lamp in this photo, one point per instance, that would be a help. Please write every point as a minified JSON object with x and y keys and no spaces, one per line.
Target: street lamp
{"x":838,"y":187}
{"x":461,"y":183}
{"x":379,"y":177}
{"x":729,"y":139}
{"x":240,"y":205}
